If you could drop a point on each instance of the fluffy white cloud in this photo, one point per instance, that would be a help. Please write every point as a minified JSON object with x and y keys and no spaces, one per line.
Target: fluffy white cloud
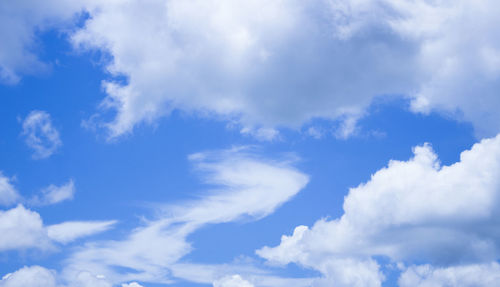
{"x":20,"y":21}
{"x":265,"y":63}
{"x":8,"y":193}
{"x":282,"y":63}
{"x":132,"y":284}
{"x":34,"y":276}
{"x":55,"y":194}
{"x":268,"y":64}
{"x":244,"y":186}
{"x":37,"y":276}
{"x":484,"y":275}
{"x":22,"y":228}
{"x":40,"y":135}
{"x":232,"y":281}
{"x":410,"y":210}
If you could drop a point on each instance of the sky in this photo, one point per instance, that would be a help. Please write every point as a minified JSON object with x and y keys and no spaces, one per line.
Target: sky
{"x":233,"y":143}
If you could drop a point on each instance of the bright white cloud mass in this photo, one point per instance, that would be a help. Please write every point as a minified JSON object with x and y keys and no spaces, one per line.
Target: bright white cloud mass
{"x":258,"y":60}
{"x":275,"y":63}
{"x":410,"y":210}
{"x":34,"y":276}
{"x":299,"y":77}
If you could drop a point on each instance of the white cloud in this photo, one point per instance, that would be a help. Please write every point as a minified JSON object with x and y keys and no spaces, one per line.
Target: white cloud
{"x":209,"y":273}
{"x":232,"y":281}
{"x":34,"y":276}
{"x":87,"y":279}
{"x":40,"y":135}
{"x":262,"y":134}
{"x":244,"y":186}
{"x":69,"y":231}
{"x":8,"y":193}
{"x":54,"y":194}
{"x":264,"y":63}
{"x":20,"y":21}
{"x":269,"y":64}
{"x":410,"y":210}
{"x":23,"y":229}
{"x":132,"y":284}
{"x":283,"y":63}
{"x":37,"y":276}
{"x":484,"y":275}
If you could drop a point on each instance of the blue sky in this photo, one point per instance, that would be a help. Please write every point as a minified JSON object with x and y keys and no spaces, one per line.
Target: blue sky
{"x":249,"y":143}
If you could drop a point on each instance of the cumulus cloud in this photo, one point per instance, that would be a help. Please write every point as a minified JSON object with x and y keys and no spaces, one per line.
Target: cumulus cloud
{"x":132,"y":284}
{"x":415,"y":210}
{"x":23,"y":229}
{"x":265,"y":63}
{"x":37,"y":276}
{"x":283,"y":63}
{"x":244,"y":186}
{"x":34,"y":276}
{"x":232,"y":281}
{"x":20,"y":22}
{"x":271,"y":64}
{"x":54,"y":194}
{"x":8,"y":193}
{"x":40,"y":135}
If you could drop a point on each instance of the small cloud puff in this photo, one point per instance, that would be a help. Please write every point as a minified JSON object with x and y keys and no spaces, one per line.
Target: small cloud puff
{"x":54,"y":194}
{"x":40,"y":135}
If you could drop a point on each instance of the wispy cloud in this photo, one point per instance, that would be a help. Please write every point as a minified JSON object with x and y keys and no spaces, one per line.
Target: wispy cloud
{"x":40,"y":135}
{"x":243,"y":186}
{"x":69,"y":231}
{"x":53,"y":194}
